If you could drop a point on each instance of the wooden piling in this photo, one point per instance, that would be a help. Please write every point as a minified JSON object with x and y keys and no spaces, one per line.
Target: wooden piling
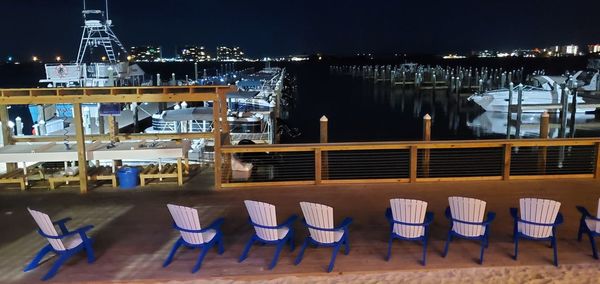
{"x":324,"y":138}
{"x":426,"y":137}
{"x":519,"y":110}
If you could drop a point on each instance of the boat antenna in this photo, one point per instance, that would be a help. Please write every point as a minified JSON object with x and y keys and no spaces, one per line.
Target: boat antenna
{"x":83,"y":4}
{"x":106,"y":9}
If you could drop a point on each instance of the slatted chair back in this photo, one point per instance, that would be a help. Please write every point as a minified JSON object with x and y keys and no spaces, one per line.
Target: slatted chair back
{"x":187,"y":218}
{"x":45,"y":224}
{"x":408,"y":211}
{"x":320,"y":216}
{"x":468,"y":210}
{"x":543,"y":211}
{"x":263,"y":214}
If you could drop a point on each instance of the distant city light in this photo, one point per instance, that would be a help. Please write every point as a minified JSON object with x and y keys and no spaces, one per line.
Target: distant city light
{"x":454,"y":56}
{"x":35,"y":59}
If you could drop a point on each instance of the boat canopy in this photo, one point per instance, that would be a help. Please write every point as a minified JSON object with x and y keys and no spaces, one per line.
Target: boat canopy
{"x":242,"y":94}
{"x":196,"y":113}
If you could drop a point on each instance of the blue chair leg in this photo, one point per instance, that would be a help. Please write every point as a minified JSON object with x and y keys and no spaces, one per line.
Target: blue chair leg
{"x":446,"y":247}
{"x":483,"y":245}
{"x":57,"y":265}
{"x":516,"y":248}
{"x":89,"y":251}
{"x":38,"y":257}
{"x":301,"y":254}
{"x":176,"y":246}
{"x":554,"y":246}
{"x":580,"y":232}
{"x":276,"y":257}
{"x":332,"y":262}
{"x":205,"y":249}
{"x":220,"y":248}
{"x":247,"y":249}
{"x":424,"y":261}
{"x":593,"y":242}
{"x":291,"y":242}
{"x":389,"y":252}
{"x":346,"y":245}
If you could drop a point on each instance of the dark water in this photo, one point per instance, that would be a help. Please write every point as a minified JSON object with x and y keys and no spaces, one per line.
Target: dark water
{"x":357,"y":109}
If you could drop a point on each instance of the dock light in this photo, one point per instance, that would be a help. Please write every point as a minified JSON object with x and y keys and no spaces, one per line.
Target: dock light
{"x":129,"y":57}
{"x":58,"y":58}
{"x":103,"y":58}
{"x":35,"y":59}
{"x":10,"y":59}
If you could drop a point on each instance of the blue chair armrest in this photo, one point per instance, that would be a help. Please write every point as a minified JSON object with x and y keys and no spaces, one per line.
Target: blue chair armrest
{"x":345,"y":223}
{"x":559,"y":219}
{"x":216,"y":224}
{"x":80,"y":231}
{"x":62,"y":224}
{"x":584,"y":212}
{"x":491,"y":216}
{"x":514,"y":212}
{"x":448,"y":213}
{"x":195,"y":231}
{"x":290,"y":221}
{"x":389,"y":216}
{"x":428,"y":219}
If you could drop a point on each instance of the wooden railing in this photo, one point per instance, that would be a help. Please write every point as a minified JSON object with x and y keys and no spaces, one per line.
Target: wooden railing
{"x":385,"y":162}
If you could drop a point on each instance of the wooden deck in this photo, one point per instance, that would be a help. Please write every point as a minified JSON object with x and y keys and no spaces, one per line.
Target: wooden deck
{"x":133,"y":232}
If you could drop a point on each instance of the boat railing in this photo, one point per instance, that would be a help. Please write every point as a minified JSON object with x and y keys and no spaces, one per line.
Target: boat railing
{"x":409,"y":162}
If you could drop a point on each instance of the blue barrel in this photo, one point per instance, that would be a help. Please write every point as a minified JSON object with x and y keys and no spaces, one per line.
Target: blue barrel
{"x":128,"y":177}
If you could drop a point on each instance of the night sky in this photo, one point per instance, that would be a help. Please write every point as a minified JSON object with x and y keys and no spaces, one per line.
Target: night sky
{"x":283,"y":27}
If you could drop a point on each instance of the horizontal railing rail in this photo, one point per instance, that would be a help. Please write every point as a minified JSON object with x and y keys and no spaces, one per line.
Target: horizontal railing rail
{"x":411,"y":161}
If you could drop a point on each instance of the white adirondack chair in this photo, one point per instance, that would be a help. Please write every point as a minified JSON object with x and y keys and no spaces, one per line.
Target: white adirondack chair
{"x":319,"y":220}
{"x":187,"y":222}
{"x":65,"y":244}
{"x":409,"y":220}
{"x":590,"y":225}
{"x":467,"y":221}
{"x":263,"y":218}
{"x":537,"y":220}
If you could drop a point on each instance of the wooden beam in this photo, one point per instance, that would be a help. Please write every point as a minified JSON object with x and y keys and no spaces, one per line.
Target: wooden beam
{"x":217,"y":144}
{"x":120,"y":137}
{"x":77,"y":118}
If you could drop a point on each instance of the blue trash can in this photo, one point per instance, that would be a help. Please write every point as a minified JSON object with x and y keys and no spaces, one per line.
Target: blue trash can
{"x":128,"y":177}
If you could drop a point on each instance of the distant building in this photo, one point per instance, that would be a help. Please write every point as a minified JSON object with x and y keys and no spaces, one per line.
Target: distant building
{"x":193,"y":53}
{"x":225,"y":53}
{"x":146,"y":53}
{"x":594,"y":48}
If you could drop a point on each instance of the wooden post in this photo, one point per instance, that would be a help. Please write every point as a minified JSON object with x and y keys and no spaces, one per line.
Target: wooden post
{"x":543,"y":154}
{"x":318,"y":166}
{"x":413,"y":163}
{"x":426,"y":137}
{"x":217,"y":135}
{"x":81,"y":154}
{"x":507,"y":161}
{"x":519,"y":111}
{"x":564,"y":100}
{"x":6,"y":135}
{"x":597,"y":170}
{"x":323,"y":139}
{"x":324,"y":129}
{"x":509,"y":112}
{"x":573,"y":110}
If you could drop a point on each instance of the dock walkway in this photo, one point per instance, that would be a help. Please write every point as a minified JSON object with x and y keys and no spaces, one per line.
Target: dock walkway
{"x":133,"y":232}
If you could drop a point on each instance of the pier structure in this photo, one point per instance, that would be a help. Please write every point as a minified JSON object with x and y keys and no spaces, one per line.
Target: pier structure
{"x":83,"y":148}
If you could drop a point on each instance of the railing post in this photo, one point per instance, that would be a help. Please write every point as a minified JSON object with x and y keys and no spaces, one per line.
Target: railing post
{"x":507,"y":160}
{"x":318,"y":166}
{"x":426,"y":137}
{"x":597,"y":170}
{"x":81,"y":157}
{"x":543,"y":154}
{"x":413,"y":163}
{"x":7,"y":135}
